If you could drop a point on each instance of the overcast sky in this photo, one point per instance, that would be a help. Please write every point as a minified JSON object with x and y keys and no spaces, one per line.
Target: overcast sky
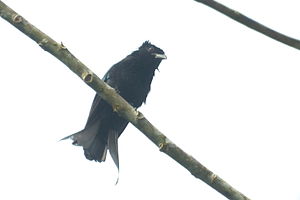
{"x":227,"y":95}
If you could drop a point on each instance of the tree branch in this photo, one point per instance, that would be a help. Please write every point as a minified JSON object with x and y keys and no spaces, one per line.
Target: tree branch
{"x":119,"y":104}
{"x":239,"y":17}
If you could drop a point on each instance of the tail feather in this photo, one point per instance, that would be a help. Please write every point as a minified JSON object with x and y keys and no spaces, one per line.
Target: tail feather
{"x":113,"y":146}
{"x":95,"y":148}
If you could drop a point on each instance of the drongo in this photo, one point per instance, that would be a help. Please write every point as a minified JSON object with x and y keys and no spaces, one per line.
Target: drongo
{"x":131,"y":78}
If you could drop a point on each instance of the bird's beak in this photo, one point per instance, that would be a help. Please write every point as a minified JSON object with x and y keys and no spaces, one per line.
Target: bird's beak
{"x":160,"y":56}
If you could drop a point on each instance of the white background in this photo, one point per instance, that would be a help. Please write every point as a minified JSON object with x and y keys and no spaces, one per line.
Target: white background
{"x":227,"y":95}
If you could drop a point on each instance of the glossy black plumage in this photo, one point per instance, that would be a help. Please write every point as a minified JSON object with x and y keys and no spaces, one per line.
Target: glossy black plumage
{"x":131,"y":77}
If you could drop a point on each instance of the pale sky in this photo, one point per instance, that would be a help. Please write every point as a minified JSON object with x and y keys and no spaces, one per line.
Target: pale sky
{"x":227,"y":95}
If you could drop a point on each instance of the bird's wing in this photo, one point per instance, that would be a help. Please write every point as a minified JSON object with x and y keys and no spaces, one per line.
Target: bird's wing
{"x":112,"y":77}
{"x":98,"y":103}
{"x":93,"y":112}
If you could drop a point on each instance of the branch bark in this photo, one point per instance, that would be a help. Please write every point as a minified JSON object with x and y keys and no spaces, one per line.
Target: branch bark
{"x":239,"y":17}
{"x":119,"y":105}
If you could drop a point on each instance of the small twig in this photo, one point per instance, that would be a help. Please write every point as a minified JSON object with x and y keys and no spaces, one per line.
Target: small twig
{"x":119,"y":104}
{"x":237,"y":16}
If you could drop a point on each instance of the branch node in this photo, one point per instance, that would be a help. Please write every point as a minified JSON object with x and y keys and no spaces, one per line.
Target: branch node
{"x":140,"y":115}
{"x":161,"y":146}
{"x":87,"y":77}
{"x":165,"y":144}
{"x":116,"y":108}
{"x":43,"y":42}
{"x":213,"y":177}
{"x":17,"y":19}
{"x":236,"y":12}
{"x":62,"y":46}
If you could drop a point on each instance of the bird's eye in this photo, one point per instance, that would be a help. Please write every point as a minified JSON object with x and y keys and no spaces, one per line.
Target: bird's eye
{"x":150,"y":49}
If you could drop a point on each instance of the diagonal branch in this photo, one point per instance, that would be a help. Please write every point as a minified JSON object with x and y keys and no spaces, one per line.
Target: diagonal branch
{"x":237,"y":16}
{"x":119,"y":104}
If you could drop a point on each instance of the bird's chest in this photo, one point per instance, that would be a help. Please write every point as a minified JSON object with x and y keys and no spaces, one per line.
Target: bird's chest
{"x":134,"y":89}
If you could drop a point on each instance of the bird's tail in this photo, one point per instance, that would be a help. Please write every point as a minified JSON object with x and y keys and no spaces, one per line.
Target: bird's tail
{"x":95,"y":148}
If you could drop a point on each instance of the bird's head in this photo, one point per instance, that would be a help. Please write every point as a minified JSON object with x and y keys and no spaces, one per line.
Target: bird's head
{"x":148,"y":56}
{"x":152,"y":52}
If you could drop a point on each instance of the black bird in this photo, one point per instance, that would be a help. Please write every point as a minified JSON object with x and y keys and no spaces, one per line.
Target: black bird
{"x":131,"y":78}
